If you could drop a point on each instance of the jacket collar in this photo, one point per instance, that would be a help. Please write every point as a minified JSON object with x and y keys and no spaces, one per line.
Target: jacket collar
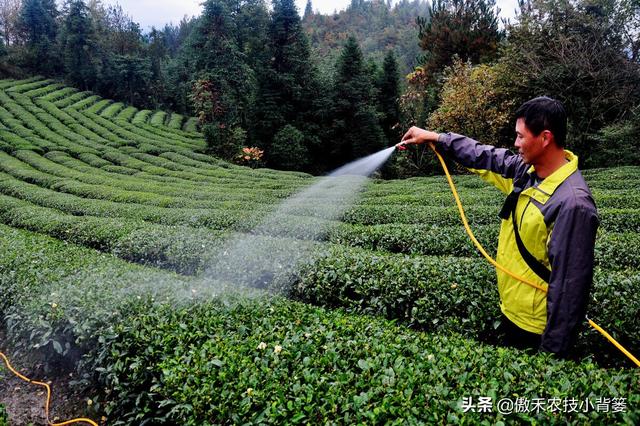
{"x":547,"y":187}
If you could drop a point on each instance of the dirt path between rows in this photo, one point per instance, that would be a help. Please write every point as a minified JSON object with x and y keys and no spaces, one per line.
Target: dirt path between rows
{"x":25,"y":402}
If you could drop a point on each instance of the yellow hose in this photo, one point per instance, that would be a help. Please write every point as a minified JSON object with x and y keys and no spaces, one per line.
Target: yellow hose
{"x":473,"y":239}
{"x":46,"y":386}
{"x":494,"y":263}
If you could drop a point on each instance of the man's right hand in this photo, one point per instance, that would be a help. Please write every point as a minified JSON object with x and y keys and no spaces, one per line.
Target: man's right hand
{"x":416,"y":135}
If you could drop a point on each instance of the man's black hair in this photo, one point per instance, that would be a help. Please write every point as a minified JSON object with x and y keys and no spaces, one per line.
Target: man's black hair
{"x":544,"y":113}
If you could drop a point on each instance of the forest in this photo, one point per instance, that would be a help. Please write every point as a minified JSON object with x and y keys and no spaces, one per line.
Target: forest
{"x":309,"y":92}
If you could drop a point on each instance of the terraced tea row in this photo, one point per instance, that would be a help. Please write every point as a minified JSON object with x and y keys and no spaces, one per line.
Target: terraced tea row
{"x":90,"y":174}
{"x":51,"y":91}
{"x":266,"y":359}
{"x":611,"y":248}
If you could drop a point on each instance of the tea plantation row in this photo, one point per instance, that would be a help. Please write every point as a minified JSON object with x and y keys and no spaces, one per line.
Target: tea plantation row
{"x":183,"y":349}
{"x":168,"y":358}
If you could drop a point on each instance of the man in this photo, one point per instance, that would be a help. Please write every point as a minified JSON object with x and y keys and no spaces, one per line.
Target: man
{"x":548,"y":229}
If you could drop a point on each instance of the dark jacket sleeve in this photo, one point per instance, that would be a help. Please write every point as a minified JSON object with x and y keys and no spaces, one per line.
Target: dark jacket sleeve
{"x":474,"y":155}
{"x":571,"y":253}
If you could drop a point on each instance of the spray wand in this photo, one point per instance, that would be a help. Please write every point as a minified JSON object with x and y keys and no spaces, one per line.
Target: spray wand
{"x":402,"y":146}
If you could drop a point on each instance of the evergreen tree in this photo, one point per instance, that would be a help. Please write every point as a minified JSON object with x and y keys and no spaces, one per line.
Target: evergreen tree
{"x":158,"y":53}
{"x":308,"y":11}
{"x":177,"y":75}
{"x":464,"y":28}
{"x":357,"y":132}
{"x":219,"y":74}
{"x":251,"y":26}
{"x":388,"y":98}
{"x":288,"y":149}
{"x":287,"y":83}
{"x":134,"y":74}
{"x":37,"y":29}
{"x":77,"y":43}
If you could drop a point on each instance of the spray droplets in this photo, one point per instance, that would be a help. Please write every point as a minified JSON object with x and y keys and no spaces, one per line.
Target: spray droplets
{"x":269,"y":255}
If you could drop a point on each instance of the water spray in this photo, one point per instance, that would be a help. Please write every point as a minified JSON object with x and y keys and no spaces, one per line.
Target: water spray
{"x":285,"y":240}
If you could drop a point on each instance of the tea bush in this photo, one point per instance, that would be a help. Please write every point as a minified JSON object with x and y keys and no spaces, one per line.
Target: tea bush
{"x":170,"y":362}
{"x":88,"y":174}
{"x":277,"y":361}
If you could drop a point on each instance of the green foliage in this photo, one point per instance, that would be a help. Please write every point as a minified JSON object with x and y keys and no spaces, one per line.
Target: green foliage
{"x":134,"y":77}
{"x":165,"y":348}
{"x":158,"y":118}
{"x":127,"y":114}
{"x":571,"y":50}
{"x":356,"y":127}
{"x":224,"y":142}
{"x":221,"y":92}
{"x":191,"y":125}
{"x":112,"y":110}
{"x":464,"y":28}
{"x":37,"y":29}
{"x":288,"y":150}
{"x":78,"y":46}
{"x":388,"y":86}
{"x":476,"y":101}
{"x":230,"y":357}
{"x":290,"y":361}
{"x":4,"y":417}
{"x":221,"y":78}
{"x":176,"y":121}
{"x":378,"y":26}
{"x":617,"y":144}
{"x":288,"y":90}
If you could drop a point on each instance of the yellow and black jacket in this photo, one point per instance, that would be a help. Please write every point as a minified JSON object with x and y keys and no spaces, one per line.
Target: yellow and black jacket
{"x":556,"y":219}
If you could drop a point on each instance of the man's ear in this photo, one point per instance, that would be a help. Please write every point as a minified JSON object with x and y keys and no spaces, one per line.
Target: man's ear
{"x":547,"y":138}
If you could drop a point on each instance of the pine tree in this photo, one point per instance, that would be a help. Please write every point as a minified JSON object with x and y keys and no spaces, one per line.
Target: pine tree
{"x":287,"y":83}
{"x":252,"y":23}
{"x":388,"y":97}
{"x":308,"y":11}
{"x":357,"y":132}
{"x":77,"y":43}
{"x":158,"y":53}
{"x":134,"y":74}
{"x":464,"y":28}
{"x":37,"y":29}
{"x":222,"y":81}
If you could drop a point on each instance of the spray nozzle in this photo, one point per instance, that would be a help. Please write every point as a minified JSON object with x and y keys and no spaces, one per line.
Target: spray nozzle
{"x":401,"y":146}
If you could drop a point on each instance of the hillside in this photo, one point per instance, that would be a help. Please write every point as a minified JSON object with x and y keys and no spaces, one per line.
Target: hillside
{"x":377,"y":26}
{"x":112,"y":222}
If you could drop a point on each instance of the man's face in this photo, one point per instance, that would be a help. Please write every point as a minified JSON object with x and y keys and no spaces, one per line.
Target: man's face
{"x":530,"y":147}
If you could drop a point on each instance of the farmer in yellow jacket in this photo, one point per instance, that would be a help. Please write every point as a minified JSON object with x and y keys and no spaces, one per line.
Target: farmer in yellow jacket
{"x":549,"y":224}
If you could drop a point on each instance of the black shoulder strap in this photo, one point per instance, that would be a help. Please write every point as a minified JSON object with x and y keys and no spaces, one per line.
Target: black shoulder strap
{"x":512,"y":199}
{"x":533,"y":263}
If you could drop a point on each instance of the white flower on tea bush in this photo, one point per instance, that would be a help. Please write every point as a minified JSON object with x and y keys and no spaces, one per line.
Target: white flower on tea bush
{"x":262,"y":346}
